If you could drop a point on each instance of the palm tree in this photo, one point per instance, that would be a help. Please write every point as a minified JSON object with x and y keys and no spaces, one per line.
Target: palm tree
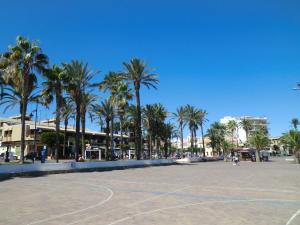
{"x":87,"y":106}
{"x":77,"y":77}
{"x":216,"y":134}
{"x":295,"y":122}
{"x":105,"y":110}
{"x":159,"y":116}
{"x":148,"y":115}
{"x":137,"y":74}
{"x":19,"y":66}
{"x":121,"y":95}
{"x":112,"y":83}
{"x":232,"y":127}
{"x":167,"y":131}
{"x":292,"y":141}
{"x":54,"y":86}
{"x":180,"y":116}
{"x":67,"y":112}
{"x":132,"y":116}
{"x":201,"y":120}
{"x":259,"y":140}
{"x":247,"y":126}
{"x":192,"y":120}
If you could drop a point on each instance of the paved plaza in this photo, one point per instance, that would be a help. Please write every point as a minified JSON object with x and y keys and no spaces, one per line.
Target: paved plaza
{"x":214,"y":193}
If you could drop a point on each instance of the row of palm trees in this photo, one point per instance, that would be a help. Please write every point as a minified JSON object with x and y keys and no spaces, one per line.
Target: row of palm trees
{"x":194,"y":118}
{"x":218,"y":132}
{"x":70,"y":85}
{"x":291,"y":139}
{"x":233,"y":126}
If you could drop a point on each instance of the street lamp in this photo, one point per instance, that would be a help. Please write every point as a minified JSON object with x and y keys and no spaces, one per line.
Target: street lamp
{"x":35,"y":120}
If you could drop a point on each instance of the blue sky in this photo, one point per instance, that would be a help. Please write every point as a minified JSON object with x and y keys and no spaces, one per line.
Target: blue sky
{"x":228,"y":57}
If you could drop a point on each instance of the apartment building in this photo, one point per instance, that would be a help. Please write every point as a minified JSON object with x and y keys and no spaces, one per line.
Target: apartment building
{"x":240,"y":136}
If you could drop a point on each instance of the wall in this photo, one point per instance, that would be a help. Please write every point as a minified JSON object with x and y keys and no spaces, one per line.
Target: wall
{"x":38,"y":167}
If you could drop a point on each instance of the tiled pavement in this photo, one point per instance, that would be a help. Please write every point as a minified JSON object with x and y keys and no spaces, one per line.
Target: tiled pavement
{"x":204,"y":193}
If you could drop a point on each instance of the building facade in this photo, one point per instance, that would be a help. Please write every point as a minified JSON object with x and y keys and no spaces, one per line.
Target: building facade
{"x":10,"y":136}
{"x":240,"y":136}
{"x":176,"y":143}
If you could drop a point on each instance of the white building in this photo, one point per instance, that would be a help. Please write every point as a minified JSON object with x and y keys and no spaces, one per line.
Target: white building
{"x":176,"y":143}
{"x":240,"y":136}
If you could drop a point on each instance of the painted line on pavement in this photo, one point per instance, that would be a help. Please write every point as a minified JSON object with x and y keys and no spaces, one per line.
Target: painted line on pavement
{"x":293,"y":217}
{"x":111,"y":193}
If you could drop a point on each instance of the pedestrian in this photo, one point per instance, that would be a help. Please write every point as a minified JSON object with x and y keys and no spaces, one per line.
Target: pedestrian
{"x":236,"y":160}
{"x":232,"y":155}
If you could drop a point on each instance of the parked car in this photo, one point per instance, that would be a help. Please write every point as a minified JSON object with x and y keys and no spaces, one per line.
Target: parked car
{"x":11,"y":156}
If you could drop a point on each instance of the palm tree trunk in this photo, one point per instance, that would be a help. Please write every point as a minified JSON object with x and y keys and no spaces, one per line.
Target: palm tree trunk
{"x":237,"y":138}
{"x":257,"y":155}
{"x":192,"y":139}
{"x":77,"y":139}
{"x":195,"y":140}
{"x":65,"y":136}
{"x":83,"y":133}
{"x":121,"y":131}
{"x":138,"y":124}
{"x":149,"y":143}
{"x":203,"y":145}
{"x":23,"y":107}
{"x":107,"y":139}
{"x":57,"y":123}
{"x":112,"y":136}
{"x":150,"y":146}
{"x":181,"y":136}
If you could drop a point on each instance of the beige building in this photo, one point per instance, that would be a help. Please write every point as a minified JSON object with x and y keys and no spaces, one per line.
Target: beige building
{"x":10,"y":135}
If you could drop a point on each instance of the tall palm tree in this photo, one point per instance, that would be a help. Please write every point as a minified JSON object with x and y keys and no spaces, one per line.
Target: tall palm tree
{"x":247,"y":126}
{"x":191,"y":118}
{"x":67,"y":112}
{"x":87,"y":106}
{"x":232,"y":127}
{"x":201,"y":120}
{"x":166,"y":136}
{"x":77,"y":77}
{"x":160,"y":114}
{"x":149,"y":123}
{"x":105,"y":110}
{"x":132,"y":116}
{"x":180,"y":116}
{"x":19,"y":66}
{"x":121,"y":94}
{"x":259,"y":140}
{"x":109,"y":83}
{"x":53,"y":86}
{"x":137,"y":74}
{"x":295,"y":122}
